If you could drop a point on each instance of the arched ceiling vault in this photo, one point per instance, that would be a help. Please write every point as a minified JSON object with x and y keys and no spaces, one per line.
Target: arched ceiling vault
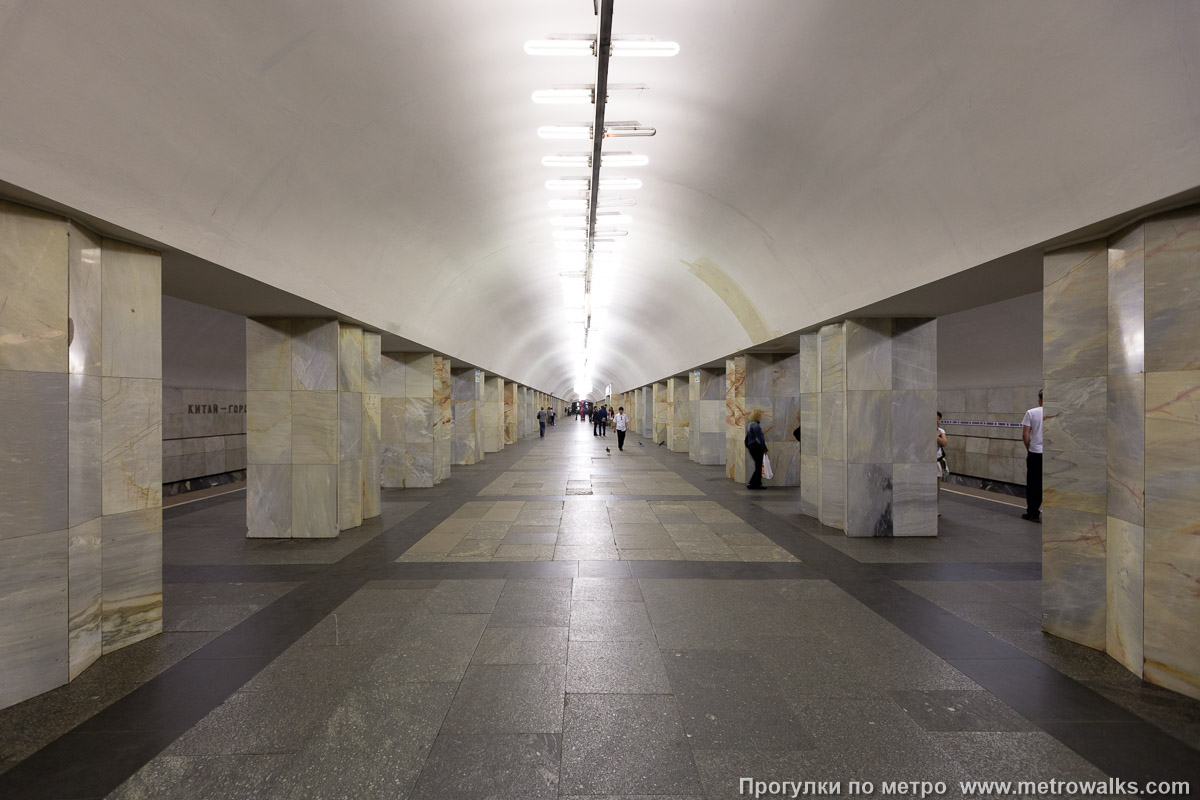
{"x":812,"y":156}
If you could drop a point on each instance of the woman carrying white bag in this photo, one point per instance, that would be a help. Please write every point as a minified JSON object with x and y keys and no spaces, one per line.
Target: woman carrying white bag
{"x":756,"y":444}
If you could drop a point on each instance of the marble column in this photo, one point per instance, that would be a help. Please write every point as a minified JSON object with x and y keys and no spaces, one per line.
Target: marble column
{"x":468,"y":416}
{"x":735,"y":418}
{"x":493,"y":414}
{"x":350,"y":426}
{"x":1122,"y":382}
{"x":679,"y":406}
{"x":773,"y":385}
{"x":662,"y":413}
{"x":511,"y":410}
{"x":292,"y":427}
{"x":648,"y":412}
{"x":443,"y":419}
{"x":372,"y":427}
{"x":831,"y":426}
{"x":1075,"y":386}
{"x":393,"y":413}
{"x":81,"y":477}
{"x":809,"y":367}
{"x":707,"y":417}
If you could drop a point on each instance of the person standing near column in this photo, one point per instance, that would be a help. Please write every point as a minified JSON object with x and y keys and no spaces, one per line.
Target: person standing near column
{"x":621,"y":422}
{"x":756,"y":443}
{"x":604,"y":420}
{"x":541,"y":423}
{"x":942,"y":441}
{"x":1031,"y":434}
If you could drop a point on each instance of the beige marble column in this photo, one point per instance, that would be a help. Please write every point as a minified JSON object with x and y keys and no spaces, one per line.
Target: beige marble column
{"x":443,"y":419}
{"x":493,"y":414}
{"x":131,"y":449}
{"x":679,"y":403}
{"x":372,"y":430}
{"x":809,"y":367}
{"x":831,"y":421}
{"x":647,"y":411}
{"x":350,"y":426}
{"x":707,"y":417}
{"x":467,"y":444}
{"x":735,"y":418}
{"x":511,"y":411}
{"x":393,"y":413}
{"x":773,"y":386}
{"x":420,"y":418}
{"x":292,"y":427}
{"x":1122,"y":463}
{"x":662,"y":415}
{"x":1075,"y":384}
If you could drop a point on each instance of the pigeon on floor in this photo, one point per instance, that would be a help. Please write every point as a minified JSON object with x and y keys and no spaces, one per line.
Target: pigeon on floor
{"x":662,"y":444}
{"x":607,"y":450}
{"x":641,"y":445}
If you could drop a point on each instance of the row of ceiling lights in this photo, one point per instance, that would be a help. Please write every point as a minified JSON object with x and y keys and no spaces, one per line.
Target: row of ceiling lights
{"x":586,"y":241}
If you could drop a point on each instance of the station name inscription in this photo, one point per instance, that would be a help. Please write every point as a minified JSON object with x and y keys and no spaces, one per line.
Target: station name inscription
{"x":212,"y":408}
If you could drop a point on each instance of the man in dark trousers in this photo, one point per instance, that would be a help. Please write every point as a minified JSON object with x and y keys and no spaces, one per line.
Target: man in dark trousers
{"x":604,"y":420}
{"x":621,"y":422}
{"x":1031,"y":434}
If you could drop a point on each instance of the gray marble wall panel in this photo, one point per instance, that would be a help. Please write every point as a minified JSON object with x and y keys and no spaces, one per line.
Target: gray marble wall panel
{"x":1074,"y":575}
{"x":914,"y":499}
{"x":467,"y":417}
{"x":679,"y":411}
{"x":269,"y":501}
{"x":392,"y":413}
{"x":735,"y":418}
{"x":1124,"y":591}
{"x":868,"y":354}
{"x":132,"y":577}
{"x":443,"y":421}
{"x":493,"y":414}
{"x":1075,"y":311}
{"x":914,"y":354}
{"x":33,"y":274}
{"x":509,"y":392}
{"x":269,"y":427}
{"x":33,"y":615}
{"x":269,"y":354}
{"x":33,"y":441}
{"x":1172,"y":297}
{"x":315,"y":428}
{"x":314,"y":501}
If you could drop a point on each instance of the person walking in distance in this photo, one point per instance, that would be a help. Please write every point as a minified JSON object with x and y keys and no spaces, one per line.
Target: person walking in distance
{"x":596,"y":420}
{"x":604,"y":420}
{"x":756,"y":443}
{"x":1031,"y":434}
{"x":541,"y":417}
{"x":621,"y":422}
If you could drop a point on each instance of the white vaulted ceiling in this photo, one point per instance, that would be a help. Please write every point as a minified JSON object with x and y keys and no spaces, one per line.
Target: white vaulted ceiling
{"x":812,"y":156}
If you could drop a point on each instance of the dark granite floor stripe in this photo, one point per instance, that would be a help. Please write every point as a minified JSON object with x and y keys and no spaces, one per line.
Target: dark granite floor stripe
{"x":960,"y":571}
{"x":1073,"y":713}
{"x":240,"y":573}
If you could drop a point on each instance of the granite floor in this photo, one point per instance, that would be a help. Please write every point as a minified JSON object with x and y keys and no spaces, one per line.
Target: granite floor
{"x":562,"y":621}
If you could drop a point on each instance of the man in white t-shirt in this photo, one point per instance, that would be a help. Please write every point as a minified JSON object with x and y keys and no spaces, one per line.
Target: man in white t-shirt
{"x":622,"y":422}
{"x":1031,"y":434}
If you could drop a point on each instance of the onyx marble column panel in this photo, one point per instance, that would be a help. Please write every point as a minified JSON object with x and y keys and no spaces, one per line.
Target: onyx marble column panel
{"x":735,"y":418}
{"x":443,"y":418}
{"x":662,"y":415}
{"x":831,"y":411}
{"x":372,"y":423}
{"x":707,"y":417}
{"x":679,"y":399}
{"x":511,"y":410}
{"x":420,"y":419}
{"x":350,"y":426}
{"x":131,"y":444}
{"x":1172,"y":451}
{"x":808,"y":367}
{"x":868,"y":421}
{"x":296,"y":423}
{"x":493,"y":414}
{"x":773,"y":386}
{"x":914,"y":423}
{"x":1074,"y":509}
{"x":467,"y":416}
{"x":392,"y":416}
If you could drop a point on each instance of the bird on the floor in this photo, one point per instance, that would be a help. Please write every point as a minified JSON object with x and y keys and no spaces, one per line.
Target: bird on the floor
{"x":607,"y":450}
{"x":641,"y":445}
{"x":662,"y":444}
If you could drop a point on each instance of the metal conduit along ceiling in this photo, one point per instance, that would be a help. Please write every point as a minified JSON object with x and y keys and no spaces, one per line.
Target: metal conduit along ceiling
{"x":812,"y":157}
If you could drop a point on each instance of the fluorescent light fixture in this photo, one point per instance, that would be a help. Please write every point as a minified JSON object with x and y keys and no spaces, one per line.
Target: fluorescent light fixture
{"x":609,"y":184}
{"x":569,"y":45}
{"x":604,"y":233}
{"x":615,"y":202}
{"x":571,"y":233}
{"x":602,"y":246}
{"x":570,"y":183}
{"x":582,"y":160}
{"x":569,"y":204}
{"x":646,"y":47}
{"x":565,"y":95}
{"x":576,"y":247}
{"x":569,"y":132}
{"x":572,"y":220}
{"x":619,"y":130}
{"x":623,"y":160}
